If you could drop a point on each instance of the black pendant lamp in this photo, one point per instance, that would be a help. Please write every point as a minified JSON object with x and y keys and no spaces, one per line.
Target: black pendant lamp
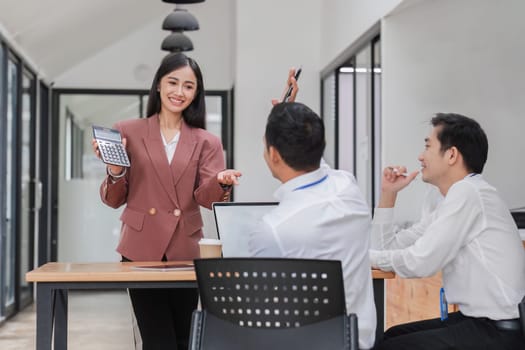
{"x":183,"y":1}
{"x":178,"y":21}
{"x":176,"y":42}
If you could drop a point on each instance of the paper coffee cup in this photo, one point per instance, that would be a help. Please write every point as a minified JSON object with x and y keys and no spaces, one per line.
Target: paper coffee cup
{"x":210,"y":248}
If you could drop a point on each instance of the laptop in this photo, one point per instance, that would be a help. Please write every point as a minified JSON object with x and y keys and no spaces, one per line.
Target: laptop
{"x":234,"y":222}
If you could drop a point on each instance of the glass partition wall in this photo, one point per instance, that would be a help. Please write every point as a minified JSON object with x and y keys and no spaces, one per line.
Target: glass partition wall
{"x":26,"y":156}
{"x":87,"y":230}
{"x":9,"y":235}
{"x":351,"y":100}
{"x":17,"y":155}
{"x":3,"y":181}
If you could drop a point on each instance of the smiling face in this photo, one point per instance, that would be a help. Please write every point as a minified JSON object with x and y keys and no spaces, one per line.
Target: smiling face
{"x":177,"y":90}
{"x":434,"y":161}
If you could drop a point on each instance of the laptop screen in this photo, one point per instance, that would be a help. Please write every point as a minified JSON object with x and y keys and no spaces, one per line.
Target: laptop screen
{"x":234,"y":221}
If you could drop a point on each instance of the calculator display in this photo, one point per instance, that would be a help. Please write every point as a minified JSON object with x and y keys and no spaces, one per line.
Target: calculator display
{"x":111,"y":149}
{"x":106,"y":134}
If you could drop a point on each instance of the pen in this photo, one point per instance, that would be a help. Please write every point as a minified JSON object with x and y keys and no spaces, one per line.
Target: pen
{"x":289,"y":91}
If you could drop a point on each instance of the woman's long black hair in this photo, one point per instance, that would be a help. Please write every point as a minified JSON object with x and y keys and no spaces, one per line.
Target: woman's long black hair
{"x":195,"y":114}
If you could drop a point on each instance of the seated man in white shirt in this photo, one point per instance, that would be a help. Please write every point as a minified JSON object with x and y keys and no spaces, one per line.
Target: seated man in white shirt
{"x":321,"y":212}
{"x":470,"y":236}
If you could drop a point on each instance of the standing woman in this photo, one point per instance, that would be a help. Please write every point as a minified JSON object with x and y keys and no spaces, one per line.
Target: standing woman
{"x":176,"y":166}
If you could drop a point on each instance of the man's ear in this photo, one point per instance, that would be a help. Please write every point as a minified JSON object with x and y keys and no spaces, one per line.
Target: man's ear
{"x":453,"y":155}
{"x":274,"y":155}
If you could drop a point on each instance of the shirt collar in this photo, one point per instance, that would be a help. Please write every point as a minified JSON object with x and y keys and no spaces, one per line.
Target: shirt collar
{"x":174,"y":140}
{"x":299,"y":181}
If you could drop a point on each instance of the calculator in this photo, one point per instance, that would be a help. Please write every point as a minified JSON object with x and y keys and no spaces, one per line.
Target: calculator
{"x":110,"y":146}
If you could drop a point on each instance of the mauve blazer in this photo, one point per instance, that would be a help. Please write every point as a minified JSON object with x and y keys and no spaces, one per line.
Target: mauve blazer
{"x":162,"y":200}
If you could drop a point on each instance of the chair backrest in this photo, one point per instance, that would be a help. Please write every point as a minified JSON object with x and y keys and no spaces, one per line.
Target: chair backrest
{"x":296,"y":303}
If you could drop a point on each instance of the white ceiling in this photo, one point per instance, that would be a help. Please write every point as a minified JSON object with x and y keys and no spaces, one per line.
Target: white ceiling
{"x":58,"y":34}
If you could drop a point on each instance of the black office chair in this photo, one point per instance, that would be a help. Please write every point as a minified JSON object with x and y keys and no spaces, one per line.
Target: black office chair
{"x":260,"y":303}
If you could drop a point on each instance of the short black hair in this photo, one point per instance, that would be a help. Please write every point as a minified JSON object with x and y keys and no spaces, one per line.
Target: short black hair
{"x":466,"y":135}
{"x":297,"y":133}
{"x":195,"y":114}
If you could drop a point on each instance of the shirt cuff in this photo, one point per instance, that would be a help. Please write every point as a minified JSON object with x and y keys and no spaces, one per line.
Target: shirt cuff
{"x":383,"y":215}
{"x":380,"y":259}
{"x":115,"y":178}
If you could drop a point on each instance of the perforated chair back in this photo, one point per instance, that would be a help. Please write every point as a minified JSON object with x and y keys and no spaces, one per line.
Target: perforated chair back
{"x":261,"y":303}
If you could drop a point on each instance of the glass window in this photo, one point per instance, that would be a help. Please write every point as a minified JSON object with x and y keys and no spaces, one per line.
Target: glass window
{"x":214,"y":115}
{"x":144,"y":103}
{"x":74,"y":147}
{"x":87,"y":230}
{"x":78,"y":112}
{"x":376,"y":95}
{"x":2,"y":179}
{"x":330,"y":119}
{"x":363,"y":125}
{"x":346,"y":117}
{"x":26,"y":172}
{"x":10,"y":171}
{"x":352,"y":110}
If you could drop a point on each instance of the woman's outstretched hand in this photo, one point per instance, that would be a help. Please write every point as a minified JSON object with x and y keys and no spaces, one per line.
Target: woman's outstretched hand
{"x":229,"y":177}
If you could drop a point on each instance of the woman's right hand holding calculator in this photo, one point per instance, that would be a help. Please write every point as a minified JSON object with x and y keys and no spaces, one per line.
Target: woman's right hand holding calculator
{"x":113,"y":170}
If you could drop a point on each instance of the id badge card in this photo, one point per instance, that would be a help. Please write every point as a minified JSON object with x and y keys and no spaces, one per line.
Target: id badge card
{"x":443,"y":305}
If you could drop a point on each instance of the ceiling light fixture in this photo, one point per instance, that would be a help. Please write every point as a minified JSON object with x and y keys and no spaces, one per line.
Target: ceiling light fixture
{"x":176,"y":42}
{"x":180,"y":20}
{"x":183,"y":1}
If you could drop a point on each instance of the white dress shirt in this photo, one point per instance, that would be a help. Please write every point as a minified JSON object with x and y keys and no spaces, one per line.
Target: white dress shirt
{"x":323,"y":215}
{"x":472,"y":238}
{"x":171,"y":146}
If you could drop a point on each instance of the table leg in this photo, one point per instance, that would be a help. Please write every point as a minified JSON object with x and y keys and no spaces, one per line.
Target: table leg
{"x":61,"y":308}
{"x":44,"y":316}
{"x":379,"y":299}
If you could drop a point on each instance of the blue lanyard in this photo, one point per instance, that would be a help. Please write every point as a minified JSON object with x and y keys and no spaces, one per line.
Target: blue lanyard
{"x":311,"y":184}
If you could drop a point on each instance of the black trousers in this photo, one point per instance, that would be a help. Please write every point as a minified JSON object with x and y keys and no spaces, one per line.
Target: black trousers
{"x":164,"y":316}
{"x":456,"y":332}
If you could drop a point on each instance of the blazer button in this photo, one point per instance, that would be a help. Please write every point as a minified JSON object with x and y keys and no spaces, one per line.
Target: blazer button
{"x":176,"y":212}
{"x":152,"y":211}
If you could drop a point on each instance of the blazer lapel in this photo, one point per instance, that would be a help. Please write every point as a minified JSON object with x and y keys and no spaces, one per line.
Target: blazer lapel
{"x":184,"y":151}
{"x":157,"y":154}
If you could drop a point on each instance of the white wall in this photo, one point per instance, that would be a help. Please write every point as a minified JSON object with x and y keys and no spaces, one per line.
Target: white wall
{"x":344,"y":21}
{"x":456,"y":56}
{"x":271,"y":37}
{"x":131,"y":62}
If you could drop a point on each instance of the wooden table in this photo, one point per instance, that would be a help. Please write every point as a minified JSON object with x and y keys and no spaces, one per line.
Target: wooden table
{"x":54,"y":280}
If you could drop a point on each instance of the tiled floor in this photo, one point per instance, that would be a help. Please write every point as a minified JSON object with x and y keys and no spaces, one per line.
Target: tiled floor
{"x":97,"y":321}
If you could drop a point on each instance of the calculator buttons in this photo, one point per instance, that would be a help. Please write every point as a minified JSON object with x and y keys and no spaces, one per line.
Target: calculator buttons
{"x":113,"y":153}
